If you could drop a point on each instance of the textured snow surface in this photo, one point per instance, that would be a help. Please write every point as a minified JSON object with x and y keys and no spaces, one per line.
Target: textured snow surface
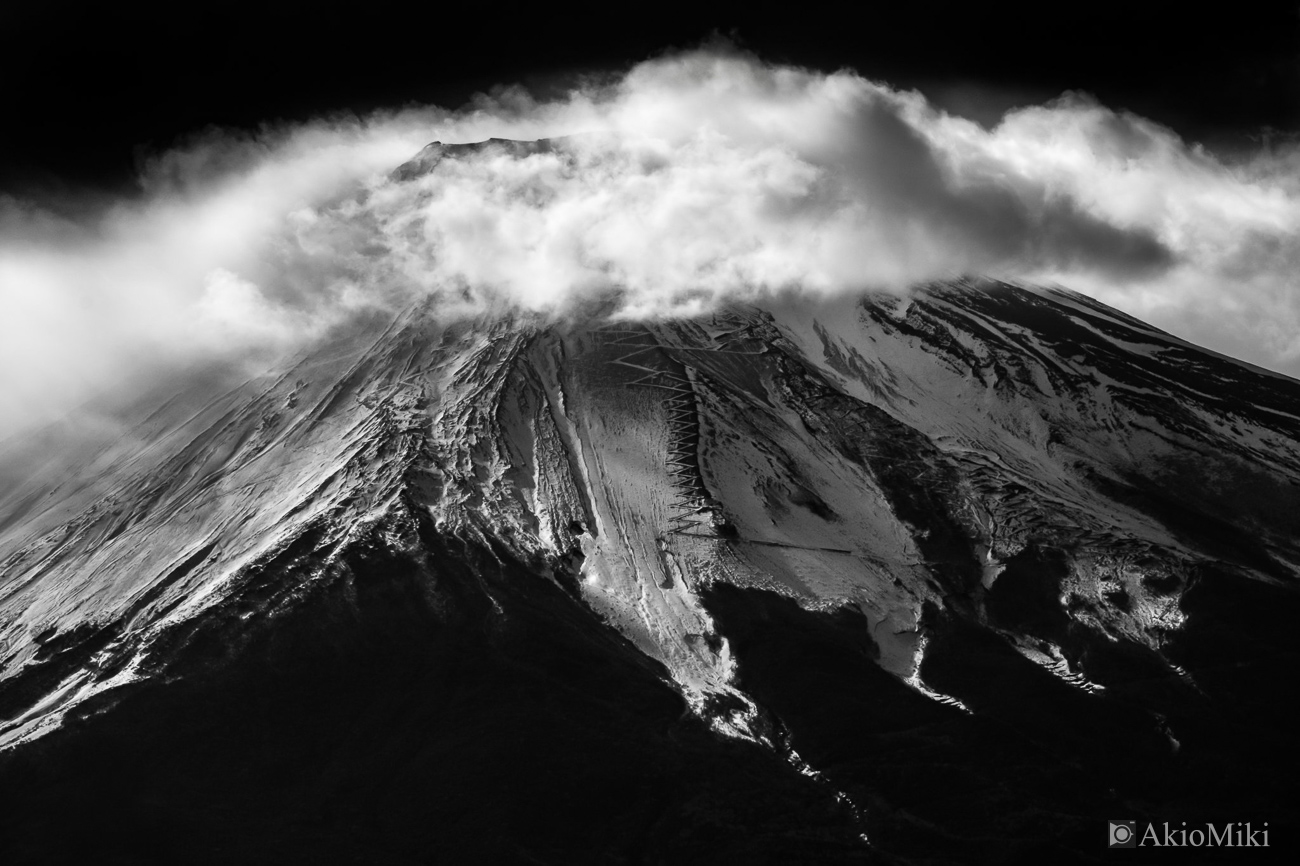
{"x":894,"y":456}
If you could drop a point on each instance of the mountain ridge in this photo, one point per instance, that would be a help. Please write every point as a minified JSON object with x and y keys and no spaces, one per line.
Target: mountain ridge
{"x":894,"y":486}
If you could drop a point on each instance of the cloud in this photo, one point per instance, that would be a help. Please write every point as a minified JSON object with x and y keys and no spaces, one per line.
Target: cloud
{"x":96,"y":306}
{"x":690,"y":179}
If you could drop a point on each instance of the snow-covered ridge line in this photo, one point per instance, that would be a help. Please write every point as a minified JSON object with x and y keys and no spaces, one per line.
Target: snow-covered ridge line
{"x":885,"y":456}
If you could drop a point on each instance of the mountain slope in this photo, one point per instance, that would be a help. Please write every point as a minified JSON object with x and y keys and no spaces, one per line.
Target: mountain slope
{"x":987,"y":563}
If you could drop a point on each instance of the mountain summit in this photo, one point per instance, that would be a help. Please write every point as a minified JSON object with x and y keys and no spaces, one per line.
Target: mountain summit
{"x":893,"y":577}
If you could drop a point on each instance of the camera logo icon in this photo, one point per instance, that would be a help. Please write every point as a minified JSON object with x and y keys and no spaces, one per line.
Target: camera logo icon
{"x":1123,"y":834}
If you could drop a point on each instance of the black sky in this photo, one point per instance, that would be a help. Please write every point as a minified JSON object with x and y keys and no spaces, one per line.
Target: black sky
{"x":88,"y":88}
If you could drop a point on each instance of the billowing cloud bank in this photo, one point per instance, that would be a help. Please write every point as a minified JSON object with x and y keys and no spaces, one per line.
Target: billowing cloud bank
{"x":694,"y":177}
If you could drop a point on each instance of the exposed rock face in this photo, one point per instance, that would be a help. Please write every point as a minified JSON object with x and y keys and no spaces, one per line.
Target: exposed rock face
{"x":986,"y":563}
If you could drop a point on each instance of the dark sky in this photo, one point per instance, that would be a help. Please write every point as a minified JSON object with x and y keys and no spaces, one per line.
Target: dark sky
{"x":87,"y":87}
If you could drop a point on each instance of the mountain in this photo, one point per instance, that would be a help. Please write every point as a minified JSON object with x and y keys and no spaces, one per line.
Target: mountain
{"x":950,"y":577}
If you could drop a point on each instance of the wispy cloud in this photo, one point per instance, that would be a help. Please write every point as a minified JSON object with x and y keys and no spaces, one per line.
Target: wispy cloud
{"x":692,"y":178}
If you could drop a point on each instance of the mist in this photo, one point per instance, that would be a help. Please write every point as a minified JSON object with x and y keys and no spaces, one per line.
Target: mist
{"x":690,"y":180}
